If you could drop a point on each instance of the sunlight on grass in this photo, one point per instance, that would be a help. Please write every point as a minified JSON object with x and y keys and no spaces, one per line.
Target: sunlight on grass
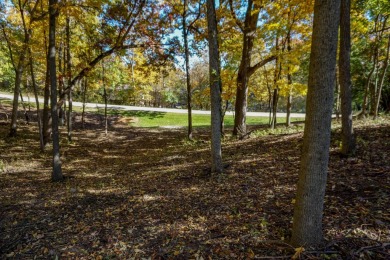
{"x":163,"y":119}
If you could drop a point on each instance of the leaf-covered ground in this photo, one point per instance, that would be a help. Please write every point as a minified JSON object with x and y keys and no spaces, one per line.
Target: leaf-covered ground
{"x":148,"y":193}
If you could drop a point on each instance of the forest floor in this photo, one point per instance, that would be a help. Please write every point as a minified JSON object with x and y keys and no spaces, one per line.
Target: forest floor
{"x":148,"y":193}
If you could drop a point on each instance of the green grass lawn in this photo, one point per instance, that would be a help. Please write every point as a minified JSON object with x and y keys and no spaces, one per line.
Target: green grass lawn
{"x":158,"y":119}
{"x":161,"y":119}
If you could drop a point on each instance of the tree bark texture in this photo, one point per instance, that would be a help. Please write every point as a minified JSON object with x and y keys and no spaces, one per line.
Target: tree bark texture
{"x":215,"y":88}
{"x":105,"y":101}
{"x":381,"y":80}
{"x":46,"y":118}
{"x":57,"y":171}
{"x":19,"y":66}
{"x":69,"y":76}
{"x":61,"y":116}
{"x":15,"y":104}
{"x":308,"y":210}
{"x":347,"y":136}
{"x":250,"y":24}
{"x":84,"y":100}
{"x":288,"y":107}
{"x":187,"y":67}
{"x":35,"y":87}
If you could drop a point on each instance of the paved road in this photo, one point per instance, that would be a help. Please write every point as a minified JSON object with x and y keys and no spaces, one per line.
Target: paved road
{"x":157,"y":109}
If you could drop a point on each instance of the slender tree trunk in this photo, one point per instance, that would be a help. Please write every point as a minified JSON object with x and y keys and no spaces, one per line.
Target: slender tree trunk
{"x":223,"y":117}
{"x":373,"y":89}
{"x":26,"y":116}
{"x":289,"y":76}
{"x":308,"y":210}
{"x":84,"y":100}
{"x":269,"y":99}
{"x":187,"y":67}
{"x":46,"y":118}
{"x":105,"y":101}
{"x":377,"y":87}
{"x":347,"y":136}
{"x":381,"y":80}
{"x":19,"y":67}
{"x":41,"y":144}
{"x":275,"y":98}
{"x":337,"y":98}
{"x":57,"y":171}
{"x":69,"y":75}
{"x":60,"y":86}
{"x":15,"y":104}
{"x":215,"y":88}
{"x":288,"y":114}
{"x":368,"y":88}
{"x":366,"y":93}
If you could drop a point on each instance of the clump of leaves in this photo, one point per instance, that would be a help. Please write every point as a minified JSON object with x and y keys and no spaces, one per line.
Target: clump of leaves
{"x":297,"y":128}
{"x":2,"y":166}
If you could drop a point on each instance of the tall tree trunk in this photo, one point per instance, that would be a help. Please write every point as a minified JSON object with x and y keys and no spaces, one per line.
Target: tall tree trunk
{"x":19,"y":66}
{"x":41,"y":144}
{"x":368,"y":87}
{"x":275,"y":98}
{"x":269,"y":99}
{"x":84,"y":100}
{"x":15,"y":104}
{"x":373,"y":88}
{"x":347,"y":136}
{"x":308,"y":210}
{"x":289,"y":76}
{"x":277,"y":76}
{"x":57,"y":171}
{"x":105,"y":101}
{"x":337,"y":98}
{"x":46,"y":118}
{"x":69,"y":75}
{"x":26,"y":116}
{"x":288,"y":112}
{"x":187,"y":67}
{"x":215,"y":88}
{"x":381,"y":80}
{"x":61,"y":116}
{"x":377,"y":87}
{"x":366,"y":93}
{"x":289,"y":97}
{"x":250,"y":24}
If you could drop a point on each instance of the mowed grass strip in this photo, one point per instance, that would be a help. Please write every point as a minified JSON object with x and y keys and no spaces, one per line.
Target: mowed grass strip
{"x":162,"y":119}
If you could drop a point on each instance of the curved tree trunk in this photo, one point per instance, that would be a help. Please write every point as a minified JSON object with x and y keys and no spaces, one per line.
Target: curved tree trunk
{"x":308,"y":210}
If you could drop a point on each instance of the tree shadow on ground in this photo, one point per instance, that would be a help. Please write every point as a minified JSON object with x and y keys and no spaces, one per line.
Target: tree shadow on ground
{"x":136,"y":113}
{"x":149,"y":193}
